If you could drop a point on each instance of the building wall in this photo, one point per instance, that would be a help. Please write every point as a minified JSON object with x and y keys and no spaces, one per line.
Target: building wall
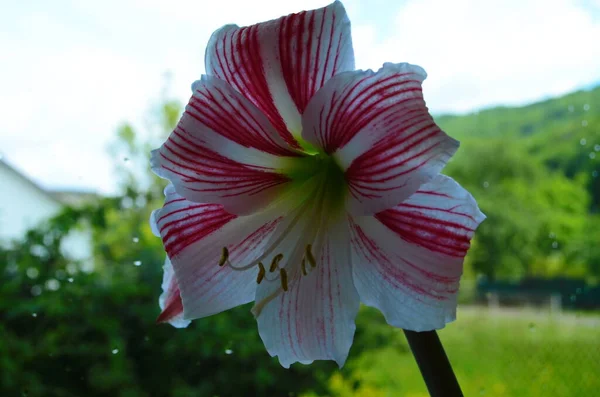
{"x":23,"y":206}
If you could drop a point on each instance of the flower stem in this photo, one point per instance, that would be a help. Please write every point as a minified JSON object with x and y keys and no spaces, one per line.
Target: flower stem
{"x":433,"y":363}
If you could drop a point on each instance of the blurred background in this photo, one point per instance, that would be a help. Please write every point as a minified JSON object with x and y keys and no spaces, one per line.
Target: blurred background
{"x":88,"y":88}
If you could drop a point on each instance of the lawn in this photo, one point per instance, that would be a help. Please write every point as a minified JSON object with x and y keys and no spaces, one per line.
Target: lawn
{"x":504,"y":352}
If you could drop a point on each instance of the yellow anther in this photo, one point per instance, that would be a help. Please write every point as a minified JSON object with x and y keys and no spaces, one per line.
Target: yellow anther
{"x":276,"y":259}
{"x":261,"y":273}
{"x":304,"y":266}
{"x":309,"y":256}
{"x":224,"y":256}
{"x":283,"y":277}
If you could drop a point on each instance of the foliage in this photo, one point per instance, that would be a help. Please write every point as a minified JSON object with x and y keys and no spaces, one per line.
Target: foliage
{"x":494,"y":354}
{"x":535,"y":172}
{"x":68,"y":332}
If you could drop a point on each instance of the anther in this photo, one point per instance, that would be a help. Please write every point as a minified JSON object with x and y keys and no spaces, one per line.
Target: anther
{"x":309,"y":256}
{"x":304,"y":266}
{"x":224,"y":256}
{"x":283,"y":277}
{"x":276,"y":259}
{"x":261,"y":273}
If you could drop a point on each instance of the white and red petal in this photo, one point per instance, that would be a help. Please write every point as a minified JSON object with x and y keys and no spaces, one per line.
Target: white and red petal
{"x":441,"y":216}
{"x":170,"y":299}
{"x":407,"y":261}
{"x":223,"y":151}
{"x":280,"y":64}
{"x":314,"y":319}
{"x":194,"y":235}
{"x":379,"y":130}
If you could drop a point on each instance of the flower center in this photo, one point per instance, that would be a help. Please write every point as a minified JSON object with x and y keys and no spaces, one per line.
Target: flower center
{"x":323,"y":169}
{"x":315,"y":198}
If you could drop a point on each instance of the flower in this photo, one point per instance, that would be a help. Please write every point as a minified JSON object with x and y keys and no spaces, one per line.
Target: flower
{"x":307,"y":187}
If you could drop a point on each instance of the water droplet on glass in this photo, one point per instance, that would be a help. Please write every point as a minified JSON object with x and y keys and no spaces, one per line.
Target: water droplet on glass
{"x":571,"y":108}
{"x":115,"y":351}
{"x":32,"y":272}
{"x":228,"y":351}
{"x":33,"y":314}
{"x":597,"y":148}
{"x":52,"y":284}
{"x":554,"y":244}
{"x":583,"y":142}
{"x":137,"y":263}
{"x":136,"y":240}
{"x":592,"y":155}
{"x":586,"y":107}
{"x":70,"y":279}
{"x":584,"y":123}
{"x":36,"y":290}
{"x":486,"y":184}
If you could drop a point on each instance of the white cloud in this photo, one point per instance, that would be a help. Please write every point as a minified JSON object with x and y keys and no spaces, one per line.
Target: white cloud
{"x":73,"y":70}
{"x":479,"y":53}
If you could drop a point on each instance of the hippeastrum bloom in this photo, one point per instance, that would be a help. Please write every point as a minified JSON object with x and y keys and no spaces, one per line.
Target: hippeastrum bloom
{"x":307,"y":187}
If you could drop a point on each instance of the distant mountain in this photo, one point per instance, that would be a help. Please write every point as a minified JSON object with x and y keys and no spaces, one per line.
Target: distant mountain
{"x":563,"y":132}
{"x":567,"y":113}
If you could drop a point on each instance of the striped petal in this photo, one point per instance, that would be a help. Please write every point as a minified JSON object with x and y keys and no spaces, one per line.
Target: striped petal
{"x":280,"y":64}
{"x":407,"y":261}
{"x":170,"y":300}
{"x":379,"y":130}
{"x":194,"y":235}
{"x":314,"y":319}
{"x":223,"y":151}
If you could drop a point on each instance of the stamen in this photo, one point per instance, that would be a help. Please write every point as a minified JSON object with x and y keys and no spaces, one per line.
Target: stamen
{"x":304,"y":267}
{"x":309,"y":256}
{"x":224,"y":256}
{"x":275,"y":262}
{"x":283,"y":277}
{"x":259,"y":305}
{"x":261,"y":273}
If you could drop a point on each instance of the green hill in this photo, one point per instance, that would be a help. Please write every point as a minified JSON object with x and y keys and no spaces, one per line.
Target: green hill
{"x":535,"y":171}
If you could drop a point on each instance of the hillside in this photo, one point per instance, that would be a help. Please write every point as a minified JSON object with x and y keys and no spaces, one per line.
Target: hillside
{"x":534,"y":170}
{"x":564,"y":133}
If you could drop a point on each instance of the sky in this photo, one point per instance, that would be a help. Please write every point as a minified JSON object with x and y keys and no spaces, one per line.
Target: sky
{"x":72,"y":71}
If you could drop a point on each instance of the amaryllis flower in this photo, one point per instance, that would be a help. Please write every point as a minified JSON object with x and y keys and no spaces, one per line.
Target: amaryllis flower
{"x":308,"y":187}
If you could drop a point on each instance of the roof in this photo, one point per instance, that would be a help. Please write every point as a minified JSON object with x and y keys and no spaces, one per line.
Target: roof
{"x":63,"y":197}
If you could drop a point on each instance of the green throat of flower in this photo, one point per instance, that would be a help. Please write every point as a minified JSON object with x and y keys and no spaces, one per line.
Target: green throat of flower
{"x":318,"y":177}
{"x":313,"y":201}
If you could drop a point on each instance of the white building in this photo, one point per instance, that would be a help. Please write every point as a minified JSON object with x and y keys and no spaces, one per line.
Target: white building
{"x":24,"y":205}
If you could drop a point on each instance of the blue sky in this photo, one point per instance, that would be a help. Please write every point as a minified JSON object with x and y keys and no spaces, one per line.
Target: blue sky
{"x":73,"y":70}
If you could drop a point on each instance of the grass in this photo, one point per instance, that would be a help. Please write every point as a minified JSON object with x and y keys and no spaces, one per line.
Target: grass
{"x":507,"y":352}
